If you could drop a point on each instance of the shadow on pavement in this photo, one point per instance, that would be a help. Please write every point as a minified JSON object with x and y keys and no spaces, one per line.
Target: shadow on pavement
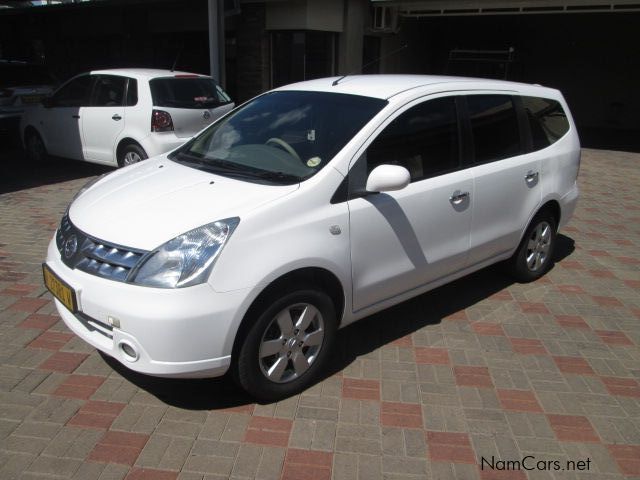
{"x":17,"y":173}
{"x":353,"y":341}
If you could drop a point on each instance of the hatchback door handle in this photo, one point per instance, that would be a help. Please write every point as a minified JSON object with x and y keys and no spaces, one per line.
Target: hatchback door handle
{"x":117,"y":117}
{"x":531,"y":177}
{"x":75,"y":116}
{"x":458,"y":197}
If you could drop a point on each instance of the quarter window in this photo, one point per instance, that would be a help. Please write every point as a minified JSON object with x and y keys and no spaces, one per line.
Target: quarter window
{"x":424,"y":140}
{"x":547,"y":121}
{"x":132,"y":92}
{"x":494,"y":125}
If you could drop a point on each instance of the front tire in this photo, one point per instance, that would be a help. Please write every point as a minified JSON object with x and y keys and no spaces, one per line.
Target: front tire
{"x":130,"y":154}
{"x":35,"y":149}
{"x":534,"y":256}
{"x":287,"y":344}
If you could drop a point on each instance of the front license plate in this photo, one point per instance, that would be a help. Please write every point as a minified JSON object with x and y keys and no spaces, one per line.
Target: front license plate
{"x":60,"y":289}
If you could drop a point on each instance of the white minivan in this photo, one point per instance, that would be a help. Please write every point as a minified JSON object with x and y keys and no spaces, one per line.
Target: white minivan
{"x":121,"y":116}
{"x":305,"y":209}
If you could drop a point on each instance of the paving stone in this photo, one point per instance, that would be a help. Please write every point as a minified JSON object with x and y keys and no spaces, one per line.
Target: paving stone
{"x":479,"y":367}
{"x":73,"y":442}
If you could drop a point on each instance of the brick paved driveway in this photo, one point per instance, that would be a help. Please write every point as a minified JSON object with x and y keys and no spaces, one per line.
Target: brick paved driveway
{"x":480,"y":368}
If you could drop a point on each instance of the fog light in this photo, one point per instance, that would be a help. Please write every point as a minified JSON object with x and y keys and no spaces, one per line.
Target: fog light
{"x":130,"y":352}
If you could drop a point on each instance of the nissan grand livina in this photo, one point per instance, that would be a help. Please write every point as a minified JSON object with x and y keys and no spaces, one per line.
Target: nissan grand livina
{"x":305,"y":209}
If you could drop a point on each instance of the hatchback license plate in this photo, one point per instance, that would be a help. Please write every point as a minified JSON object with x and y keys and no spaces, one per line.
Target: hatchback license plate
{"x":60,"y":289}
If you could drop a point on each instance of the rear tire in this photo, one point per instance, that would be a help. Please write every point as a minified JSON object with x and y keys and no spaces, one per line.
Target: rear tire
{"x":130,"y":154}
{"x":534,"y":255}
{"x":287,"y":344}
{"x":34,"y":147}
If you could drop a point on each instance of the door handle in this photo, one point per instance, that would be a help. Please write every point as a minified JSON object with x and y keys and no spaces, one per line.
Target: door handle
{"x":458,"y":197}
{"x":116,"y":117}
{"x":75,"y":116}
{"x":531,"y":177}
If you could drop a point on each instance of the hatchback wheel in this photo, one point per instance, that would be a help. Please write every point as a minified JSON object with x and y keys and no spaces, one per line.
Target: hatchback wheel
{"x":287,"y":344}
{"x":535,"y":252}
{"x":36,"y":151}
{"x":131,"y":154}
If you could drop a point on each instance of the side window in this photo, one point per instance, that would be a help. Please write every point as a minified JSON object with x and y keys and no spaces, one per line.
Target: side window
{"x":494,"y":127}
{"x":132,"y":92}
{"x":109,"y":91}
{"x":424,"y":140}
{"x":75,"y":93}
{"x":547,"y":121}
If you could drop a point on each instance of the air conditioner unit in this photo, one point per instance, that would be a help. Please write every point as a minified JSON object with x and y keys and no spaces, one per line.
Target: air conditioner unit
{"x":385,"y":19}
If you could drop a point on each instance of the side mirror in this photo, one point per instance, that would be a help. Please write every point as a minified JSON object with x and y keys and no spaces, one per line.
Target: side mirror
{"x":387,"y":178}
{"x":47,"y":102}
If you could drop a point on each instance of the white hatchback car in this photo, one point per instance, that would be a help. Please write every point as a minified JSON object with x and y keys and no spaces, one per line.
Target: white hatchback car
{"x":121,"y":116}
{"x":305,"y":209}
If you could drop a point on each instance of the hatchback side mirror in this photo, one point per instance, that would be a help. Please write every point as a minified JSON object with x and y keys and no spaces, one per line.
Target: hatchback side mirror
{"x":387,"y":178}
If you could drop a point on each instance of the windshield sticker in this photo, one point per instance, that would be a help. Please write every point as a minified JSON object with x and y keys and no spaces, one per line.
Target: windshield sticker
{"x":314,"y":162}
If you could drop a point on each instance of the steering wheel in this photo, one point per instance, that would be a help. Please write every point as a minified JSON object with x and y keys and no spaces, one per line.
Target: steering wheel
{"x":285,"y":145}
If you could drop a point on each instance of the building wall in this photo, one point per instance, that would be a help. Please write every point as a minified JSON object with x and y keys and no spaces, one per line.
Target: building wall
{"x":592,"y":58}
{"x":252,"y":74}
{"x":325,"y":15}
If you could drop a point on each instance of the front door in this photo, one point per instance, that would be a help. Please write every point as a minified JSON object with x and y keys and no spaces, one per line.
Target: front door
{"x":405,"y":239}
{"x":61,"y":122}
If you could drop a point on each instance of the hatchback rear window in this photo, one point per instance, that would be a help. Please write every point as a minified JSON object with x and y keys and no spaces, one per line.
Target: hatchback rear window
{"x":177,"y":92}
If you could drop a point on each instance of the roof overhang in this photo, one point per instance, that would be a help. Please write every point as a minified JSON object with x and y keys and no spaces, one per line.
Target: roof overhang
{"x":428,"y":8}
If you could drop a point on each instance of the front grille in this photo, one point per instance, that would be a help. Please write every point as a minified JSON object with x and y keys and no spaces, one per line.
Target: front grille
{"x":93,"y":256}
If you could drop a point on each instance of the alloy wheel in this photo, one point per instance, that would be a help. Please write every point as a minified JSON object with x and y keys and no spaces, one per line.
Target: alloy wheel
{"x":291,"y":343}
{"x":130,"y":158}
{"x":538,"y":246}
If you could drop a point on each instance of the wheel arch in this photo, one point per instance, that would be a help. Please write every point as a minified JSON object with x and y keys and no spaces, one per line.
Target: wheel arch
{"x":123,"y":143}
{"x":553,"y":207}
{"x":321,"y":277}
{"x":28,"y":129}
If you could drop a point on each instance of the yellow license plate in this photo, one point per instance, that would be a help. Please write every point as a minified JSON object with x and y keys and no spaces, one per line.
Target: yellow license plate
{"x":60,"y":289}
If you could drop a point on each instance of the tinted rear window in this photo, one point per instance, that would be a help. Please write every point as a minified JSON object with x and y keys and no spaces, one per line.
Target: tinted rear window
{"x":18,"y":75}
{"x":547,"y":121}
{"x":494,"y":124}
{"x":185,"y":93}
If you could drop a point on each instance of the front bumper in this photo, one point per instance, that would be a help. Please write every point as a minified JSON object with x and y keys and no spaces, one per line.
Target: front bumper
{"x":186,"y":332}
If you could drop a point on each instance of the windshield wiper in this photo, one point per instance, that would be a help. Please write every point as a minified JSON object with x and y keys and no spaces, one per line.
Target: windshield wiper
{"x":269,"y":175}
{"x":217,"y":165}
{"x":211,"y":164}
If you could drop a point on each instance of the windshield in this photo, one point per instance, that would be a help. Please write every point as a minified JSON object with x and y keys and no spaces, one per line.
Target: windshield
{"x":282,"y":137}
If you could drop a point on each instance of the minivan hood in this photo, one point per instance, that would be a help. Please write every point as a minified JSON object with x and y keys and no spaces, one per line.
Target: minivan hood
{"x":147,"y":204}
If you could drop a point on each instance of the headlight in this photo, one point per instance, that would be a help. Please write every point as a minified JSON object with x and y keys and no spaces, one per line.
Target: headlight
{"x":187,"y":259}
